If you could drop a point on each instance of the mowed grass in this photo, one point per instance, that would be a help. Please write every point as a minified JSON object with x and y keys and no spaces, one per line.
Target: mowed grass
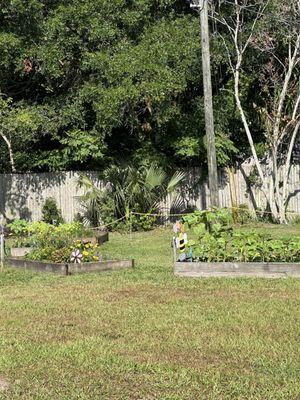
{"x":144,"y":334}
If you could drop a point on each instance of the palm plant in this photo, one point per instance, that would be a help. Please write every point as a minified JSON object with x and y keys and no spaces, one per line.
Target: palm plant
{"x":128,"y":188}
{"x":90,"y":201}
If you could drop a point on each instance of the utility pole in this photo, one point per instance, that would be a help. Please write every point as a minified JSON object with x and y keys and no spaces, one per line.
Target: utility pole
{"x":202,"y":7}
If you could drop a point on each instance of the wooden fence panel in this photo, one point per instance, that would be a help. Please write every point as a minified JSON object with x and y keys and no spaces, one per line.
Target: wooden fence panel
{"x":22,"y":195}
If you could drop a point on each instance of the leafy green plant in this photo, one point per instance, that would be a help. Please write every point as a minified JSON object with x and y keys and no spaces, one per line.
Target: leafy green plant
{"x":51,"y":213}
{"x":214,"y":221}
{"x":19,"y":227}
{"x":59,"y":254}
{"x":43,"y":234}
{"x":126,"y":188}
{"x":218,"y":241}
{"x":56,"y":243}
{"x":242,"y":214}
{"x":39,"y":228}
{"x":21,"y":241}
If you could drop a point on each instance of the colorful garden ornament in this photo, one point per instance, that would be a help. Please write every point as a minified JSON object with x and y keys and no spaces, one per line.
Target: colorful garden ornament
{"x":76,"y":257}
{"x":180,"y":241}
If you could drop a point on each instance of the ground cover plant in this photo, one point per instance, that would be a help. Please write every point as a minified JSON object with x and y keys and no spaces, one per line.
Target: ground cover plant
{"x":145,"y":334}
{"x":217,"y":240}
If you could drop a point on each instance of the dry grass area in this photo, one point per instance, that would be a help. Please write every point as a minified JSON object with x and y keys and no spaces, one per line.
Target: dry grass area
{"x":144,"y":334}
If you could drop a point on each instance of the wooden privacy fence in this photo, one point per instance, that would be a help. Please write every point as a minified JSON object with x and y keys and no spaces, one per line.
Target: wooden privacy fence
{"x":22,"y":195}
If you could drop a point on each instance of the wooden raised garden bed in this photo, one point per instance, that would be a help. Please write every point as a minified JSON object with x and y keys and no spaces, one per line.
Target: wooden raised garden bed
{"x":20,"y":251}
{"x":69,"y":268}
{"x":236,"y":269}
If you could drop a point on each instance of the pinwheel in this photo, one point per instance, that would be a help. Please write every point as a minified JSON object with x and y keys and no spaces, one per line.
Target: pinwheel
{"x":76,"y":257}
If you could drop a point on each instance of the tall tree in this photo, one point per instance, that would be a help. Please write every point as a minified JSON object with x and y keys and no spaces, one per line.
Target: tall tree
{"x":252,"y":29}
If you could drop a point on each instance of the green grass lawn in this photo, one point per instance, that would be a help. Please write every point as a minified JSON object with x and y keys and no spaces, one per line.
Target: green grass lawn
{"x":144,"y":334}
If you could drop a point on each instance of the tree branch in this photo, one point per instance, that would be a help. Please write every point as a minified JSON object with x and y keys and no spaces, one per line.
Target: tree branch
{"x":11,"y":157}
{"x":283,"y":93}
{"x":288,"y":160}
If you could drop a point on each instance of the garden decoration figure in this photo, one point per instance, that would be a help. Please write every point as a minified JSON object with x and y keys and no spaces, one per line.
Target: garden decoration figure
{"x":76,"y":257}
{"x":180,"y":240}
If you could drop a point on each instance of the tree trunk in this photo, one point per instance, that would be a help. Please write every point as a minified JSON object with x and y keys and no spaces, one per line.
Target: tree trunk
{"x":11,"y":156}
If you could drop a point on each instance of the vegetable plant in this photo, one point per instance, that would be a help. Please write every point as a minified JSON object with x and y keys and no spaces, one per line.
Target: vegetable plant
{"x":217,"y":241}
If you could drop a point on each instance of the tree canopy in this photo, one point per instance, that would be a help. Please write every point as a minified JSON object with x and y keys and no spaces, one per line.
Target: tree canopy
{"x":86,"y":83}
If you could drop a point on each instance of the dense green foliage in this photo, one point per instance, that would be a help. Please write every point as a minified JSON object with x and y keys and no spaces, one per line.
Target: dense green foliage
{"x":50,"y":212}
{"x":85,"y":83}
{"x":217,"y":240}
{"x":126,"y":189}
{"x":53,"y":243}
{"x":58,"y":252}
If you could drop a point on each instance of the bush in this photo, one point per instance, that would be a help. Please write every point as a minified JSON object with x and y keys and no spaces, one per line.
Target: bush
{"x":19,"y":227}
{"x":242,"y":214}
{"x":143,"y":222}
{"x":51,"y":213}
{"x":43,"y":234}
{"x":294,"y":219}
{"x":127,"y":187}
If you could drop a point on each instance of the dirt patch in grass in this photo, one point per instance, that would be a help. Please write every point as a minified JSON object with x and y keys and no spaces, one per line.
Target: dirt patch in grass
{"x":3,"y":384}
{"x":153,"y":294}
{"x":120,"y":295}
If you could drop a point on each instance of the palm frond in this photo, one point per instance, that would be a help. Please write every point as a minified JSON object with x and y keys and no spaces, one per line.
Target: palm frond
{"x":155,"y":177}
{"x":175,"y":181}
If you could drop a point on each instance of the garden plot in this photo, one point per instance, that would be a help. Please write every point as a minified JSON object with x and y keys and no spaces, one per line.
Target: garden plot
{"x":64,"y":249}
{"x":218,"y":250}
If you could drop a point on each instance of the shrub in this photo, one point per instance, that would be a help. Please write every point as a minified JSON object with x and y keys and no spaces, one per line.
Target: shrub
{"x":43,"y":234}
{"x":143,"y":222}
{"x":19,"y":227}
{"x":51,"y":213}
{"x":295,"y":219}
{"x":242,"y":214}
{"x":127,"y":187}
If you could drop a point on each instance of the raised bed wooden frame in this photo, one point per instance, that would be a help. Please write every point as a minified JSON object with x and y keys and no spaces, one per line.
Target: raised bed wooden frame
{"x":69,"y":268}
{"x":236,"y":269}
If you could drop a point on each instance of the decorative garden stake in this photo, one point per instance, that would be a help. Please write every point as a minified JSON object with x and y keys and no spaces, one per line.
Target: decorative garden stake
{"x":180,"y":241}
{"x":76,"y":257}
